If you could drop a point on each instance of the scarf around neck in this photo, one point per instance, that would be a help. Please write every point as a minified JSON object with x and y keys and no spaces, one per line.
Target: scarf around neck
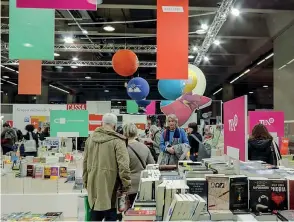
{"x":176,"y":136}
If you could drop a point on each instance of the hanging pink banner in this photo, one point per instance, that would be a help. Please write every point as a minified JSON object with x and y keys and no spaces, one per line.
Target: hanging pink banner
{"x":57,"y":4}
{"x":150,"y":109}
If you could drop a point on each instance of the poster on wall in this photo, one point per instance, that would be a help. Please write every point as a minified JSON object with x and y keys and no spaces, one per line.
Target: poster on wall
{"x":272,"y":120}
{"x":235,"y":128}
{"x":36,"y":114}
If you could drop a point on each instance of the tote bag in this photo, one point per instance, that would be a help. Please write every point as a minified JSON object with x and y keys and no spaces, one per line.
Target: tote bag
{"x":30,"y":145}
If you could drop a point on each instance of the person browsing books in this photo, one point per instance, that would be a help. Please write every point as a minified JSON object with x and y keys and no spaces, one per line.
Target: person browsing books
{"x":140,"y":157}
{"x":262,"y":147}
{"x":194,"y":138}
{"x":106,"y":169}
{"x":172,"y":142}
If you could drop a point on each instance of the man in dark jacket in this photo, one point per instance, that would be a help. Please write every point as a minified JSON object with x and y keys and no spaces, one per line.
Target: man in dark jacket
{"x":8,"y":138}
{"x":194,"y":144}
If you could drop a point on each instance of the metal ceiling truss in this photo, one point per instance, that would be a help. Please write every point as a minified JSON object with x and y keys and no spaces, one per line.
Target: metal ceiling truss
{"x":79,"y":63}
{"x":102,"y":48}
{"x":218,"y":21}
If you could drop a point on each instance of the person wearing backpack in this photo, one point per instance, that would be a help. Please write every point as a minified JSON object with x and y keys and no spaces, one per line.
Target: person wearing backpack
{"x":140,"y":157}
{"x":194,"y":138}
{"x":31,"y":142}
{"x":8,"y":138}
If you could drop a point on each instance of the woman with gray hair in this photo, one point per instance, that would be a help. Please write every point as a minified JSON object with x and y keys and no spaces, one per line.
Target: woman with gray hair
{"x":140,"y":157}
{"x":174,"y":144}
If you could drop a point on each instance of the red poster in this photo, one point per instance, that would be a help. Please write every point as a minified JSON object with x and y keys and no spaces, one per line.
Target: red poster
{"x":172,"y":39}
{"x":35,"y":122}
{"x":141,"y":126}
{"x":76,"y":107}
{"x":94,"y":121}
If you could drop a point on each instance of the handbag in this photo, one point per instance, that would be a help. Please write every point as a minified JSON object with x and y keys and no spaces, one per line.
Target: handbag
{"x":204,"y":150}
{"x":30,"y":145}
{"x":277,"y":154}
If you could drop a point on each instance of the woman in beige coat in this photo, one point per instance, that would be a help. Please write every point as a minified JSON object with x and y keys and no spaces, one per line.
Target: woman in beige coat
{"x":105,"y":169}
{"x":140,"y":157}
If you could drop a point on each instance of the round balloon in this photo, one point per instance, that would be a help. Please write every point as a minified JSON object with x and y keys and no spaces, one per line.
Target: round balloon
{"x":171,"y":89}
{"x":201,"y":80}
{"x":191,"y":82}
{"x":165,"y":102}
{"x":125,"y":62}
{"x":143,"y":103}
{"x":138,"y":88}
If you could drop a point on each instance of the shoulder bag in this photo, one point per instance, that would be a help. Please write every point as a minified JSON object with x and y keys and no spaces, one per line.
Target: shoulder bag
{"x":204,"y":150}
{"x":137,"y":155}
{"x":30,"y":145}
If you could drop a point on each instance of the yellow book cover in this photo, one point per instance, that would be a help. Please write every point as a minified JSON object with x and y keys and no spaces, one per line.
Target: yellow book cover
{"x":47,"y":172}
{"x":63,"y":172}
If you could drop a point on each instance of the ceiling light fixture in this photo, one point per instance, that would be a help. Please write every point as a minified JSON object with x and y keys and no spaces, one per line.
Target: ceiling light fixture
{"x":68,"y":40}
{"x":74,"y":67}
{"x":12,"y":83}
{"x":5,"y":77}
{"x":191,"y":57}
{"x":9,"y":68}
{"x":234,"y":80}
{"x":109,"y":28}
{"x":195,"y":48}
{"x":119,"y":102}
{"x":200,"y":32}
{"x":75,"y":59}
{"x":216,"y":42}
{"x":59,"y":67}
{"x":216,"y":92}
{"x":251,"y":92}
{"x":85,"y":32}
{"x":206,"y":59}
{"x":260,"y":62}
{"x":290,"y":61}
{"x":88,"y":77}
{"x":269,"y":56}
{"x":55,"y":87}
{"x":235,"y":12}
{"x":56,"y":54}
{"x":265,"y":86}
{"x":106,"y":90}
{"x":282,"y":67}
{"x":204,"y":26}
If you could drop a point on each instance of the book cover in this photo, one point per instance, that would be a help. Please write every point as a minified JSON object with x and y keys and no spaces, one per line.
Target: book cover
{"x":218,"y":193}
{"x":71,"y":175}
{"x":239,"y":194}
{"x":291,"y":193}
{"x":30,"y":170}
{"x":47,"y":172}
{"x":63,"y":172}
{"x":39,"y":171}
{"x":278,"y":198}
{"x":198,"y":186}
{"x":54,"y":173}
{"x":259,"y":198}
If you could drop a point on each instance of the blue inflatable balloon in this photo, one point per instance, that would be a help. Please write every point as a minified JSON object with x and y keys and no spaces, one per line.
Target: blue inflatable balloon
{"x":143,"y":103}
{"x":171,"y":89}
{"x":165,"y":102}
{"x":138,"y":88}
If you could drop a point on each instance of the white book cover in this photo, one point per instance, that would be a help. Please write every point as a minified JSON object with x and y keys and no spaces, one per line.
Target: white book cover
{"x":200,"y":207}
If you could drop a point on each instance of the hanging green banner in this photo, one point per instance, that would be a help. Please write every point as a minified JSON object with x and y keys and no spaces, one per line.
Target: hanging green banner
{"x":132,"y":106}
{"x":31,"y":33}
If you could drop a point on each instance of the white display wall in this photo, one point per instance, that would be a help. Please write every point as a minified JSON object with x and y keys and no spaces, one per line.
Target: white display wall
{"x":23,"y":114}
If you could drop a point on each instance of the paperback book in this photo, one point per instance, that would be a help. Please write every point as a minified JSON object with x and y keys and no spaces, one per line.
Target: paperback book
{"x":47,"y":172}
{"x":54,"y":173}
{"x":63,"y":172}
{"x":198,"y":186}
{"x":291,"y":193}
{"x":30,"y":170}
{"x":260,"y":191}
{"x":239,"y":194}
{"x":218,"y":192}
{"x":278,"y":196}
{"x":39,"y":171}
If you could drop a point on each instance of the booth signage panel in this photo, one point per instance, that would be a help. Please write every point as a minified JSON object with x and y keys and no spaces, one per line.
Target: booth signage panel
{"x":235,"y":128}
{"x":69,"y":123}
{"x":76,"y":107}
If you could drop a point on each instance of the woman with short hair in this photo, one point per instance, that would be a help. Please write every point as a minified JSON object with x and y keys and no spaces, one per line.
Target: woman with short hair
{"x":31,"y":136}
{"x":174,"y":144}
{"x":261,"y":146}
{"x":140,"y":157}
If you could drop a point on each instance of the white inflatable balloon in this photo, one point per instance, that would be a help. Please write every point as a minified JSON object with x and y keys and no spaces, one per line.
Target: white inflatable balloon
{"x":201,"y":80}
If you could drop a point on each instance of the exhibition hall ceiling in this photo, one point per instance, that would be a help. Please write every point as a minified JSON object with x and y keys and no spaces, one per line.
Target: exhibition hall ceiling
{"x":91,"y":38}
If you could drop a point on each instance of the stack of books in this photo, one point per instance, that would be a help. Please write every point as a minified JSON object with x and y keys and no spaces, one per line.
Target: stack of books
{"x":140,"y":214}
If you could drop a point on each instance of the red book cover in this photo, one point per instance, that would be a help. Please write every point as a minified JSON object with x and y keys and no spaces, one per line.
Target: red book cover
{"x":140,"y":212}
{"x":291,"y":193}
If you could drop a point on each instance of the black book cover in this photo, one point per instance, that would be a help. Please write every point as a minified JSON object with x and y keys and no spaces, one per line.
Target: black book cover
{"x":279,"y":200}
{"x":260,"y":191}
{"x":30,"y":170}
{"x":198,"y":187}
{"x":239,"y":194}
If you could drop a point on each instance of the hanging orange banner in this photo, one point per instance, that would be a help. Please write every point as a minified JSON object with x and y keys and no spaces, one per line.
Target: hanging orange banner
{"x":284,"y":146}
{"x":172,"y":39}
{"x":30,"y":77}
